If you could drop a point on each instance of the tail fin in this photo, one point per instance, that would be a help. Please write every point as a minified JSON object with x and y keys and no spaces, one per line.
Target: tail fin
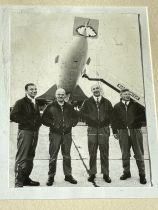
{"x":49,"y":95}
{"x":78,"y":94}
{"x":85,"y":27}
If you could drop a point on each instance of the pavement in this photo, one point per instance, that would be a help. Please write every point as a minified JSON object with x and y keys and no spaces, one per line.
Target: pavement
{"x":80,"y":161}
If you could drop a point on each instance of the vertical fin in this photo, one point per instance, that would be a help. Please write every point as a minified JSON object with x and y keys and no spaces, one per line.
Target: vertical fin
{"x":57,"y":59}
{"x":88,"y":61}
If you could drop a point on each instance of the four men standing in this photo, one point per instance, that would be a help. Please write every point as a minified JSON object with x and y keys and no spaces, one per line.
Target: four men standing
{"x":125,"y":118}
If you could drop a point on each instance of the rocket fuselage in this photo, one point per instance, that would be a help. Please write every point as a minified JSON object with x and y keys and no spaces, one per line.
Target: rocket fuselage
{"x":71,"y":63}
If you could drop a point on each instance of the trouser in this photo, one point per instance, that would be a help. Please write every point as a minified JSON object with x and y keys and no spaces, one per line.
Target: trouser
{"x":55,"y":141}
{"x":98,"y":137}
{"x":133,"y":139}
{"x":26,"y":146}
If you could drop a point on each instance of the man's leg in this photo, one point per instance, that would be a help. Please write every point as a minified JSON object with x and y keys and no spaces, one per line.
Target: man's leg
{"x":22,"y":166}
{"x":125,"y":146}
{"x":65,"y":149}
{"x":92,"y":148}
{"x":54,"y":146}
{"x":103,"y":140}
{"x":137,"y":145}
{"x":31,"y":156}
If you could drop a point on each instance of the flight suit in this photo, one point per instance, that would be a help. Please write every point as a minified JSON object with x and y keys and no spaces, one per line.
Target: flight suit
{"x":127,"y":123}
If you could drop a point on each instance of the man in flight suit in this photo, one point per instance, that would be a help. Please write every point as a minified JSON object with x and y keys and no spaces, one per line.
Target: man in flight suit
{"x":127,"y":122}
{"x":60,"y":117}
{"x":97,"y":112}
{"x":26,"y":113}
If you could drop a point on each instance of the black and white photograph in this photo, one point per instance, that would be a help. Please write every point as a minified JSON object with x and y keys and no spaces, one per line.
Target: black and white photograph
{"x":80,"y":108}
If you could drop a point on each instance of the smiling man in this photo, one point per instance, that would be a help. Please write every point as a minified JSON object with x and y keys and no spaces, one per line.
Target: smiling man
{"x":97,"y":112}
{"x":26,"y":113}
{"x":60,"y":117}
{"x":127,"y":122}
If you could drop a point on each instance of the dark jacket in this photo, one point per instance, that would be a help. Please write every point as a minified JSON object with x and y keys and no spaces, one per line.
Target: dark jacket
{"x":26,"y":115}
{"x":59,"y":121}
{"x":132,"y":118}
{"x":95,"y":117}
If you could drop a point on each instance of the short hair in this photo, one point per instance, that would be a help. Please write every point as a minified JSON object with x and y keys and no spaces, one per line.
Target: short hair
{"x":124,"y":90}
{"x":29,"y":84}
{"x":97,"y":85}
{"x":59,"y":89}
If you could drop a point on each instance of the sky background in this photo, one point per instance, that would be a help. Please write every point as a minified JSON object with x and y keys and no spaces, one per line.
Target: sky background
{"x":38,"y":37}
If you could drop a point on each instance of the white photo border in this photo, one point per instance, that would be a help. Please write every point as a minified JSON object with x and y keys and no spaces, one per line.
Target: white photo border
{"x":78,"y":192}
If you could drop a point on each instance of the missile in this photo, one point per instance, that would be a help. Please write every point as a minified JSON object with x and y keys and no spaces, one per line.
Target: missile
{"x":72,"y":60}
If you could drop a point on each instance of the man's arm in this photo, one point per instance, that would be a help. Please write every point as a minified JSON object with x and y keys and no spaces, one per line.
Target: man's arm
{"x":17,"y":114}
{"x":75,"y":117}
{"x":83,"y":111}
{"x":114,"y":123}
{"x":47,"y":118}
{"x":112,"y":120}
{"x":110,"y":109}
{"x":141,"y":117}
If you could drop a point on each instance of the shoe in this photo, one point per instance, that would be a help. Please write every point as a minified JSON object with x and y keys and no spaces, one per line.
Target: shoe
{"x":91,"y":178}
{"x":69,"y":178}
{"x":125,"y":176}
{"x":18,"y":183}
{"x":107,"y":178}
{"x":19,"y":177}
{"x":142,"y":179}
{"x":29,"y":182}
{"x":50,"y":181}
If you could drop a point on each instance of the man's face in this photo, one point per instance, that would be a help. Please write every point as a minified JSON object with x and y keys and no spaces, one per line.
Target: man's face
{"x":60,"y":95}
{"x":125,"y":96}
{"x":96,"y":90}
{"x":31,"y":91}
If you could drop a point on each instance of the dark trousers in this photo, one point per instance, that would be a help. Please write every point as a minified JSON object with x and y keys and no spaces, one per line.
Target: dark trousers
{"x":132,"y":138}
{"x":98,"y":137}
{"x":26,"y":146}
{"x":57,"y":140}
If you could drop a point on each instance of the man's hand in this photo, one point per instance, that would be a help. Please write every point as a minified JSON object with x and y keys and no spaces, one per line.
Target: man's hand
{"x":116,"y":136}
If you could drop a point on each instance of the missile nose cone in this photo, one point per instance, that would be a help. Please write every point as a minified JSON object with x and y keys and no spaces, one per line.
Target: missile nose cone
{"x":86,"y":31}
{"x":85,"y":27}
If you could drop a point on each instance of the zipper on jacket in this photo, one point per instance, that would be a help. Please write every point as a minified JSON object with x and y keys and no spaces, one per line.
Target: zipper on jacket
{"x":126,"y":107}
{"x":97,"y":104}
{"x":62,"y":111}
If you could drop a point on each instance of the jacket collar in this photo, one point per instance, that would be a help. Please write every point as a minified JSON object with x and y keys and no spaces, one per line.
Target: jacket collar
{"x":33,"y":100}
{"x":130,"y":101}
{"x":29,"y":101}
{"x":93,"y":100}
{"x":57,"y":104}
{"x":99,"y":98}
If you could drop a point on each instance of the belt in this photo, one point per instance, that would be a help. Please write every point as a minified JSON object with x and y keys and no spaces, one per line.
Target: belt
{"x":60,"y":132}
{"x":98,"y":126}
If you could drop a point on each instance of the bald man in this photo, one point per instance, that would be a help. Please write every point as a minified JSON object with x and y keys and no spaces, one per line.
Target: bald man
{"x":97,"y":113}
{"x":60,"y":117}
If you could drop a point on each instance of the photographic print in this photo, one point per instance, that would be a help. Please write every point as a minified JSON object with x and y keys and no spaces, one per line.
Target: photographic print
{"x":79,"y":114}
